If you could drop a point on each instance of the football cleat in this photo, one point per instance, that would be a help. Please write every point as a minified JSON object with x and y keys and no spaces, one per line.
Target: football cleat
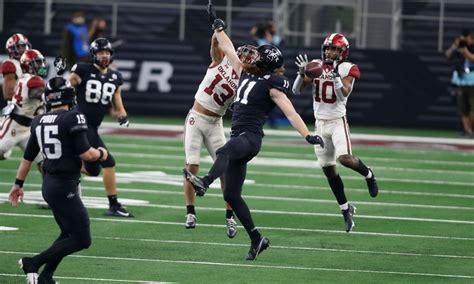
{"x":348,"y":217}
{"x":42,"y":279}
{"x":231,"y":227}
{"x":29,"y":269}
{"x":255,"y":250}
{"x":372,"y":184}
{"x":190,"y":221}
{"x":118,"y":211}
{"x":196,"y":182}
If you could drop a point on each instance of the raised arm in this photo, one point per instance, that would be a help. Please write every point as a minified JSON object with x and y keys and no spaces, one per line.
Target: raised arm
{"x":226,"y":45}
{"x":216,"y":53}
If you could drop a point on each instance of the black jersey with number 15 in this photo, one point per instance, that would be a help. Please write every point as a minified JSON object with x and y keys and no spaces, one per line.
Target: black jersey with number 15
{"x":96,"y":91}
{"x":52,"y":135}
{"x":253,"y":103}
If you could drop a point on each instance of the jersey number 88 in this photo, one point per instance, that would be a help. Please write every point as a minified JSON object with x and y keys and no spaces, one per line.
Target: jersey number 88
{"x":96,"y":91}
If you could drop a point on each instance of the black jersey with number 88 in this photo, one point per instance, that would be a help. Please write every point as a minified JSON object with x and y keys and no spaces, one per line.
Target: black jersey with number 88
{"x":96,"y":91}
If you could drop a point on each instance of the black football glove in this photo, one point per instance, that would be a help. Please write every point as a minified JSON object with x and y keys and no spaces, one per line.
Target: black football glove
{"x":211,"y":12}
{"x":123,"y":121}
{"x":60,"y":65}
{"x":219,"y":25}
{"x":335,"y":70}
{"x":315,"y":139}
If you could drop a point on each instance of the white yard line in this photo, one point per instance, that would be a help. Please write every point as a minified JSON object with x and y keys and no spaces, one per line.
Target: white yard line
{"x":293,"y":133}
{"x":136,"y":221}
{"x":253,"y":265}
{"x":88,"y":279}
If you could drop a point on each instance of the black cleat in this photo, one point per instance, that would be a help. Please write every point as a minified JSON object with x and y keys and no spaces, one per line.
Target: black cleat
{"x":231,"y":227}
{"x":196,"y":182}
{"x":43,"y":279}
{"x":30,"y":270}
{"x":348,"y":217}
{"x":118,"y":211}
{"x":255,"y":250}
{"x":372,"y":185}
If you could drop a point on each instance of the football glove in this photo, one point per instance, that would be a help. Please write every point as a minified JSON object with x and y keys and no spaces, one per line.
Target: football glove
{"x":315,"y":140}
{"x":123,"y":121}
{"x":219,"y":25}
{"x":60,"y":65}
{"x":335,"y":70}
{"x":211,"y":12}
{"x":301,"y":62}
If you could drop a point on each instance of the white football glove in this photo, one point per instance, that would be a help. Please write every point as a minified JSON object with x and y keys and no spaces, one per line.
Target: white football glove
{"x":301,"y":62}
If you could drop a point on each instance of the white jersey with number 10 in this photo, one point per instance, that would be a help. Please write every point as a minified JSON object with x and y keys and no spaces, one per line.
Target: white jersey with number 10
{"x":217,"y":89}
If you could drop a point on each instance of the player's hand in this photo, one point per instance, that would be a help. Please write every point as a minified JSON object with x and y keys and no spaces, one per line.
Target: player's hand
{"x":315,"y":140}
{"x":123,"y":121}
{"x":60,"y":65}
{"x":105,"y":155}
{"x":211,"y":12}
{"x":16,"y":193}
{"x":219,"y":25}
{"x":301,"y":62}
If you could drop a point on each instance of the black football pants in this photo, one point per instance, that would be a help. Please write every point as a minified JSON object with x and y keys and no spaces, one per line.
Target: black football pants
{"x":72,"y":218}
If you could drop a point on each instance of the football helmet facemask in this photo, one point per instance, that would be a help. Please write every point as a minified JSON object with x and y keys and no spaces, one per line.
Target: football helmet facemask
{"x":339,"y":42}
{"x":248,"y":54}
{"x":16,"y":45}
{"x":33,"y":62}
{"x":101,"y":44}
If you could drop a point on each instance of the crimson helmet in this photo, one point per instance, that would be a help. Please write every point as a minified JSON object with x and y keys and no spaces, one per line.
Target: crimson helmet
{"x":270,"y":58}
{"x":99,"y":45}
{"x":33,"y":62}
{"x":248,"y":54}
{"x":16,"y":45}
{"x":340,"y":42}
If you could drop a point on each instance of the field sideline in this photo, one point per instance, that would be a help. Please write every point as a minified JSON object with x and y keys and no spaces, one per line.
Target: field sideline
{"x":419,"y":229}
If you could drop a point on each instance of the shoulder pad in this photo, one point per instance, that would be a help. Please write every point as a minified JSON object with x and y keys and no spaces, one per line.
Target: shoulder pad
{"x":279,"y":82}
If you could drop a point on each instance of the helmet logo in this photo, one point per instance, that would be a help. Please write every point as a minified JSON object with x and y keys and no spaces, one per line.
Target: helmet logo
{"x":272,"y":55}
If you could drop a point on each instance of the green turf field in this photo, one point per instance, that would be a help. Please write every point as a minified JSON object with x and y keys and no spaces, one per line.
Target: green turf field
{"x":420,"y":229}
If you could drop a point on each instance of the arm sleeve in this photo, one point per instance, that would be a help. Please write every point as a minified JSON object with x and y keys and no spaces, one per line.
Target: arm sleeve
{"x":32,"y":148}
{"x":81,"y":144}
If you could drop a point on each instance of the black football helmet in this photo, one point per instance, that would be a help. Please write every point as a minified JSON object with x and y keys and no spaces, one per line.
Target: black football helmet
{"x":99,"y":45}
{"x":270,"y":58}
{"x":59,"y":92}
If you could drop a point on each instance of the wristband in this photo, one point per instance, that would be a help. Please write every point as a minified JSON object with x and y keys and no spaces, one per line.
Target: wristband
{"x":101,"y":154}
{"x":19,"y":183}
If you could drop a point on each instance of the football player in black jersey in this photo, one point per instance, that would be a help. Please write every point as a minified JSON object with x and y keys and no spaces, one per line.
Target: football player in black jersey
{"x":60,"y":136}
{"x":98,"y":87}
{"x":259,"y":90}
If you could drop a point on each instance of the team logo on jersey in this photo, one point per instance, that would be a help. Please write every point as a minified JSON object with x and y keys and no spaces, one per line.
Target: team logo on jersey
{"x":191,"y":121}
{"x":13,"y":132}
{"x":114,"y":76}
{"x":234,"y":74}
{"x":92,"y":75}
{"x":70,"y":195}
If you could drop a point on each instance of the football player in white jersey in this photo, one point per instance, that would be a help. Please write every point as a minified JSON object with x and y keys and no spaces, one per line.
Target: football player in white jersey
{"x":26,"y":104}
{"x":15,"y":46}
{"x":331,"y":91}
{"x":203,"y":125}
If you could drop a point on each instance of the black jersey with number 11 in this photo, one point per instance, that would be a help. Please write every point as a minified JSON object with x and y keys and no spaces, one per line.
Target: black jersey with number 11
{"x":253,"y":103}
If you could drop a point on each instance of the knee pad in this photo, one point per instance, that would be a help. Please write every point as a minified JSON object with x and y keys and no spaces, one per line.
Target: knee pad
{"x":93,"y":168}
{"x":109,"y":163}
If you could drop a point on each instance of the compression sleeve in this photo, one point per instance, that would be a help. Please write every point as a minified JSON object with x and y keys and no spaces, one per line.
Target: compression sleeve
{"x":297,"y":84}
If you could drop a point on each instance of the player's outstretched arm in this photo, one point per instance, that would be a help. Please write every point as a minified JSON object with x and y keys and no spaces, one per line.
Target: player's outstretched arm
{"x":282,"y":101}
{"x":226,"y":45}
{"x":216,"y":53}
{"x":16,"y":192}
